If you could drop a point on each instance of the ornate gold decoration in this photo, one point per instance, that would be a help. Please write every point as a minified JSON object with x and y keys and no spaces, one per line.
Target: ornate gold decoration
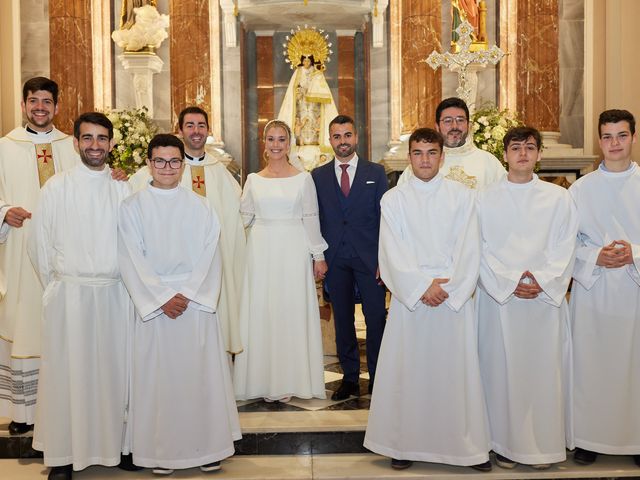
{"x":465,"y":58}
{"x":457,"y":174}
{"x":306,"y":42}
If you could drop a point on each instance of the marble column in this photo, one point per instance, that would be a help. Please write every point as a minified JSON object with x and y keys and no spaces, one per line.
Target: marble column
{"x":264,"y":87}
{"x":10,"y":82}
{"x":346,"y":75}
{"x":189,"y":47}
{"x":71,"y":59}
{"x":421,"y":85}
{"x":537,"y":68}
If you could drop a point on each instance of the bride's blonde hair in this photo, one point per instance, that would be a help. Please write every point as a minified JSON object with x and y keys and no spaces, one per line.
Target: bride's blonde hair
{"x":275,"y":123}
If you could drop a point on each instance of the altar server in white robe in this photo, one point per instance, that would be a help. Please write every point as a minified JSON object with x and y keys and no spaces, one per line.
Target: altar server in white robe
{"x":605,"y":298}
{"x":463,"y":161}
{"x":87,"y":312}
{"x":208,"y":176}
{"x":528,"y":229}
{"x":29,"y":156}
{"x":427,"y":402}
{"x":183,"y":411}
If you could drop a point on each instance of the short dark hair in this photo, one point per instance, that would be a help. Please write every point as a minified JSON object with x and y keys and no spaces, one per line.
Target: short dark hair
{"x":97,"y":118}
{"x":615,"y":116}
{"x":165,"y":140}
{"x":426,"y":135}
{"x":342,"y":120}
{"x":40,"y":83}
{"x":521,"y":134}
{"x":188,"y":110}
{"x":451,"y":102}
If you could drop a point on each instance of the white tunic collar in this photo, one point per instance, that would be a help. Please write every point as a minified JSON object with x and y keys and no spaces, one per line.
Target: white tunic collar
{"x":423,"y":186}
{"x":627,"y":173}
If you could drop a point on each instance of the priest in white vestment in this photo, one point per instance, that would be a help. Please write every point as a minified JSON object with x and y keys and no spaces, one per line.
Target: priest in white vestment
{"x":605,"y":298}
{"x":463,"y":161}
{"x":183,"y":412}
{"x":528,"y":229}
{"x":427,"y":402}
{"x":87,"y":312}
{"x":29,"y":156}
{"x":208,"y":177}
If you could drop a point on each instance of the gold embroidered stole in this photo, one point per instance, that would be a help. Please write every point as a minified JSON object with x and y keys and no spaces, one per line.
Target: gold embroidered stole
{"x":44,"y":158}
{"x":197,"y":180}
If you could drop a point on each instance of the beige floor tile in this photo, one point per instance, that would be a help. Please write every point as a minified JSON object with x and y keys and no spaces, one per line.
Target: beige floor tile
{"x":279,"y":467}
{"x":318,"y":421}
{"x":369,"y":466}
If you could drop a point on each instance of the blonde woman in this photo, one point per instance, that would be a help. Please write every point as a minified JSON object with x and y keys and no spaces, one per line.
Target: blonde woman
{"x":279,"y":316}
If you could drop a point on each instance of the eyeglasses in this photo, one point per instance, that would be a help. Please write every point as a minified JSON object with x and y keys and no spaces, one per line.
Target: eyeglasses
{"x":448,"y":121}
{"x":160,"y":163}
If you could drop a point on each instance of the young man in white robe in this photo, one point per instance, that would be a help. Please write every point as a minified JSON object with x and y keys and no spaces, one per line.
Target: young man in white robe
{"x":605,"y":298}
{"x":528,"y":229}
{"x":87,"y":313}
{"x":183,"y":412}
{"x":463,"y":161}
{"x":208,"y":177}
{"x":427,"y":403}
{"x":29,"y":156}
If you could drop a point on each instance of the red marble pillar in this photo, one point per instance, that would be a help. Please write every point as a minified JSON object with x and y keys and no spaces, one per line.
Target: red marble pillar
{"x":71,"y":58}
{"x":346,"y":76}
{"x":266,"y":108}
{"x":537,"y":69}
{"x":421,"y":86}
{"x":189,"y":52}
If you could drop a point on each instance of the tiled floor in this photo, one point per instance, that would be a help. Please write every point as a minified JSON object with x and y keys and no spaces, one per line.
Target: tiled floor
{"x":334,"y":467}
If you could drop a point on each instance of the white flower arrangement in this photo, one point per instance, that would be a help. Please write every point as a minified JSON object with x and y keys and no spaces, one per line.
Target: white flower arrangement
{"x":149,"y":30}
{"x":490,"y":125}
{"x":132,"y":131}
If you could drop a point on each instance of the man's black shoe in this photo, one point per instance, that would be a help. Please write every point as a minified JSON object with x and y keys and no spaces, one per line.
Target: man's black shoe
{"x":17,"y":428}
{"x":400,"y":464}
{"x":482,"y":467}
{"x":60,"y":473}
{"x":126,"y":463}
{"x":636,"y":459}
{"x":584,"y":457}
{"x":345,"y":390}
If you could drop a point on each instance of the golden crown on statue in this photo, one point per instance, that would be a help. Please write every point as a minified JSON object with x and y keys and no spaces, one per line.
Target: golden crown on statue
{"x":304,"y":42}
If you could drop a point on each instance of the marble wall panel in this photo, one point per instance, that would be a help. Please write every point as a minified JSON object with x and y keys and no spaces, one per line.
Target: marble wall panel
{"x":346,"y":76}
{"x":421,"y":86}
{"x":189,"y":55}
{"x":571,"y":58}
{"x":538,"y":64}
{"x":380,"y":99}
{"x":264,"y":57}
{"x":70,"y":53}
{"x":34,"y":33}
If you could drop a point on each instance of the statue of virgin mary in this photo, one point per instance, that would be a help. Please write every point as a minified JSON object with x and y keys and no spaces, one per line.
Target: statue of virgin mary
{"x":308,"y":107}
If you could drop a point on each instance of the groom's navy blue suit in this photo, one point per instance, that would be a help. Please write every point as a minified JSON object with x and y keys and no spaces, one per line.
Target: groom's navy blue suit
{"x":351,"y":227}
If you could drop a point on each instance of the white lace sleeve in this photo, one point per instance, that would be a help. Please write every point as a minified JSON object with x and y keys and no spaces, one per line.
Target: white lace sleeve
{"x":247,"y":210}
{"x":311,"y":219}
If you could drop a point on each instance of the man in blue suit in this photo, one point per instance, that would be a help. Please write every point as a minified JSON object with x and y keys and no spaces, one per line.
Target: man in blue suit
{"x":349,"y":192}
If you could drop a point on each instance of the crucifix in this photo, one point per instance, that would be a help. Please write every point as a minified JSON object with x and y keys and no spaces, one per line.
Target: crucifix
{"x":465,"y":62}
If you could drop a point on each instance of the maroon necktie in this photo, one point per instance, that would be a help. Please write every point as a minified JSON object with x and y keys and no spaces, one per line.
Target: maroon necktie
{"x":344,"y":180}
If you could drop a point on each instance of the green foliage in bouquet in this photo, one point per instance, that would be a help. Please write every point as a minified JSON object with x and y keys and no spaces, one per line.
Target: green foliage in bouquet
{"x":133,"y":129}
{"x":489,"y":126}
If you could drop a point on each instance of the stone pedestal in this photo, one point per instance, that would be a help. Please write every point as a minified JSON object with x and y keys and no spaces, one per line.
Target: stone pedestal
{"x":142,"y":66}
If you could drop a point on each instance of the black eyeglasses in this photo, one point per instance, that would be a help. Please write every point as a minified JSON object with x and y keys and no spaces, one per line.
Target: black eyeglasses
{"x":160,"y":163}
